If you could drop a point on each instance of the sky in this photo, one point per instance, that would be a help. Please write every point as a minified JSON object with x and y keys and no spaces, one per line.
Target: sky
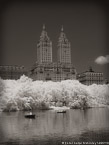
{"x":85,"y":25}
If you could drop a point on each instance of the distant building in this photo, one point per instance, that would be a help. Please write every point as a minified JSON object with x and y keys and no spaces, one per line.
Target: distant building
{"x":12,"y":72}
{"x":64,"y":49}
{"x":52,"y":71}
{"x":45,"y":69}
{"x":44,"y":48}
{"x":90,"y":77}
{"x":106,"y":81}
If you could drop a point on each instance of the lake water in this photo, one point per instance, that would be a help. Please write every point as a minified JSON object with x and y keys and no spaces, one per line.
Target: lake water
{"x":52,"y":128}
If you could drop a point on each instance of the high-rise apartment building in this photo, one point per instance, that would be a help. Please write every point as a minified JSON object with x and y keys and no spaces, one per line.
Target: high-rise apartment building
{"x":44,"y":48}
{"x":45,"y":69}
{"x":64,"y":48}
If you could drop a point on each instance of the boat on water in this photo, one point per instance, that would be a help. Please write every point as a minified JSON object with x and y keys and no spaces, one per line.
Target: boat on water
{"x":30,"y":115}
{"x":61,"y":111}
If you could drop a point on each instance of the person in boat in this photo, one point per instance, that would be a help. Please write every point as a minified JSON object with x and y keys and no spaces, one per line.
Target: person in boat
{"x":30,"y":113}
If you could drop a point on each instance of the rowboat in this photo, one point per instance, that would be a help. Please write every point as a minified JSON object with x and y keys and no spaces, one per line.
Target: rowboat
{"x":30,"y":116}
{"x":61,"y":111}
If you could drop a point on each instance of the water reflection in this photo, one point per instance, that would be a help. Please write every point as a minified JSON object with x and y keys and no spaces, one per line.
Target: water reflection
{"x":51,"y":127}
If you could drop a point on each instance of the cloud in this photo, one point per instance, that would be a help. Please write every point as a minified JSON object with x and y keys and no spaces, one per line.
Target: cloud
{"x":102,"y":60}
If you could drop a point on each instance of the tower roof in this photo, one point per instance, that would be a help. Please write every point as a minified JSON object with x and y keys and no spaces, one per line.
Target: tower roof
{"x":44,"y":35}
{"x":43,"y":27}
{"x":62,"y":29}
{"x":62,"y":37}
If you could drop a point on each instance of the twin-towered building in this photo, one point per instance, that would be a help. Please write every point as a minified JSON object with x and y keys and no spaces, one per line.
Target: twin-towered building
{"x":45,"y":68}
{"x":44,"y":48}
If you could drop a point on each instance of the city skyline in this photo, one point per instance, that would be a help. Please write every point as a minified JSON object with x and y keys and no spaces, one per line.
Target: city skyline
{"x":85,"y":25}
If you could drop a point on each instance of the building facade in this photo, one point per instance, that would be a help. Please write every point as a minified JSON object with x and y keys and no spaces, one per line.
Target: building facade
{"x":44,"y":48}
{"x":90,"y":77}
{"x":12,"y":72}
{"x":64,"y":49}
{"x":52,"y":71}
{"x":45,"y":69}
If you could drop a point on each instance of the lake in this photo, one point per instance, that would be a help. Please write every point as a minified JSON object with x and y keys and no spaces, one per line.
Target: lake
{"x":50,"y":127}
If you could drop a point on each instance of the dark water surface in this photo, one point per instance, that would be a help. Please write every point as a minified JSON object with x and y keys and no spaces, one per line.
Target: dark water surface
{"x":52,"y":128}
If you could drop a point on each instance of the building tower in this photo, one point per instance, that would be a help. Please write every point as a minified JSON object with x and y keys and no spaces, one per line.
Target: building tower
{"x":64,"y":48}
{"x":44,"y":48}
